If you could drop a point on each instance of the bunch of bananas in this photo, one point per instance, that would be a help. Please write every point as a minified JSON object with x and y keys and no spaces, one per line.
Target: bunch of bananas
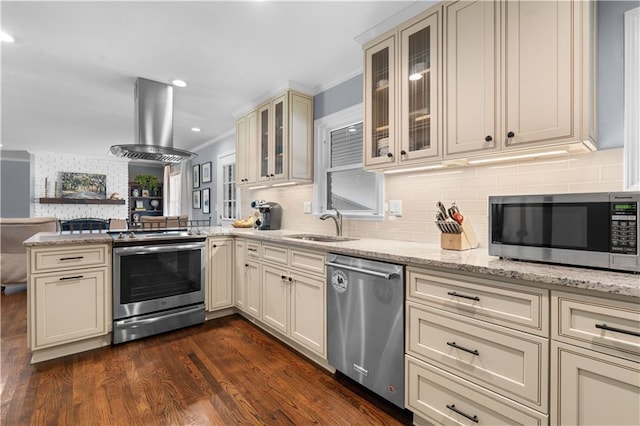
{"x":244,"y":223}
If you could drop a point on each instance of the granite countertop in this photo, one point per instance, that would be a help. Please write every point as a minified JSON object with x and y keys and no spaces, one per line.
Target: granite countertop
{"x":419,"y":254}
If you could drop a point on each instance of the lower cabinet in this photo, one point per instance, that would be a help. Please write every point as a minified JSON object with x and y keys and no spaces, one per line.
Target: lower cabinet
{"x":593,"y":388}
{"x":69,"y":306}
{"x":247,"y":288}
{"x":595,"y":360}
{"x":444,"y":398}
{"x":294,"y":304}
{"x":69,"y":299}
{"x":220,"y":273}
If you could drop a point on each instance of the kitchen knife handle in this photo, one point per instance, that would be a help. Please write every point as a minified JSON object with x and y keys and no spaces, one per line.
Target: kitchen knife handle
{"x":454,"y":294}
{"x":617,"y":330}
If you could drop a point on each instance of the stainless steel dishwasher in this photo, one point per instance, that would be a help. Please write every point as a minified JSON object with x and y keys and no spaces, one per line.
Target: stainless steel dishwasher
{"x":365,"y":323}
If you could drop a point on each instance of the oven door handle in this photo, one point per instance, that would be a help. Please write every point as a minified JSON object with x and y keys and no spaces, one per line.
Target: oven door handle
{"x":161,"y":248}
{"x":136,"y":322}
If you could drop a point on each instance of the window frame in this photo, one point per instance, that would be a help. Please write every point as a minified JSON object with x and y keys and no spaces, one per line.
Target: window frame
{"x":322,"y":134}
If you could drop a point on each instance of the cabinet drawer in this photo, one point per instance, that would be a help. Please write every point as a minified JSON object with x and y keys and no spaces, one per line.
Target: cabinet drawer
{"x":276,"y":254}
{"x":308,"y":261}
{"x":443,"y":398}
{"x":520,"y":307}
{"x":253,"y":249}
{"x":512,"y":363}
{"x":609,"y":326}
{"x":62,"y":258}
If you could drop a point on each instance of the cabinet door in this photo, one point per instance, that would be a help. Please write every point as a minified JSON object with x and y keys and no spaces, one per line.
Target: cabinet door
{"x":541,"y":48}
{"x":240,"y":275}
{"x":254,"y":289}
{"x":300,"y":154}
{"x":379,"y":103}
{"x":246,"y":146}
{"x":419,"y":87}
{"x":220,"y":274}
{"x":278,"y":150}
{"x":275,"y":297}
{"x":264,"y":118}
{"x":308,"y":312}
{"x":593,"y":389}
{"x":470,"y":73}
{"x":69,"y":306}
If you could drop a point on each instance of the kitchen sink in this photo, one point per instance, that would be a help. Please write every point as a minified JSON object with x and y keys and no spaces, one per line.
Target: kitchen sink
{"x":320,"y":238}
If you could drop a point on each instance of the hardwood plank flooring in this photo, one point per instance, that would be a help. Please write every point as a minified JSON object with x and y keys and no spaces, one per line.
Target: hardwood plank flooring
{"x":224,"y":372}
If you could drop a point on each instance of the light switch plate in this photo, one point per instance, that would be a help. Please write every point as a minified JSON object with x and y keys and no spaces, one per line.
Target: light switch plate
{"x":306,"y":207}
{"x":395,"y":207}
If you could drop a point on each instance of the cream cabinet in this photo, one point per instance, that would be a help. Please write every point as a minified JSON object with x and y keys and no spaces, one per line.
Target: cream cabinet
{"x":293,"y":295}
{"x":247,"y":288}
{"x":595,"y":365}
{"x":402,"y":92}
{"x":247,"y":148}
{"x":516,"y":75}
{"x":69,"y":303}
{"x":487,"y":339}
{"x":285,"y":139}
{"x":220,"y":268}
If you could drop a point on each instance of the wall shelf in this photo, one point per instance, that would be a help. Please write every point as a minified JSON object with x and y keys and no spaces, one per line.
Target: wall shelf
{"x":77,"y":201}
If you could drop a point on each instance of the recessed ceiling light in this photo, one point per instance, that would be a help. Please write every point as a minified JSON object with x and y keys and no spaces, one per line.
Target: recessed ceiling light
{"x":6,"y":37}
{"x":179,"y":83}
{"x":196,"y":129}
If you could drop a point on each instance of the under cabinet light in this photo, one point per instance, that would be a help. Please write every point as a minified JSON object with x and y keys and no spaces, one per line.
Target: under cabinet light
{"x":517,"y":157}
{"x":283,"y":184}
{"x":258,"y":187}
{"x":414,"y":169}
{"x":196,"y":129}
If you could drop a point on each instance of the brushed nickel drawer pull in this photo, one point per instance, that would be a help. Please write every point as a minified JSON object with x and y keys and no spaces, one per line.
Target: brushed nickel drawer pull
{"x":77,"y":277}
{"x":474,"y":351}
{"x":71,"y":258}
{"x":617,"y":330}
{"x":453,"y":408}
{"x":453,"y":293}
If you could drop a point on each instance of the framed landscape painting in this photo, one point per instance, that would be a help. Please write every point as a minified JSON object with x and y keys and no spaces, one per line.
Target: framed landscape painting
{"x":83,"y":186}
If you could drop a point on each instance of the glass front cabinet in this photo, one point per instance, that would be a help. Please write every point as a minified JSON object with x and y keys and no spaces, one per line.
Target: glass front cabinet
{"x":273,"y":126}
{"x":401,"y":95}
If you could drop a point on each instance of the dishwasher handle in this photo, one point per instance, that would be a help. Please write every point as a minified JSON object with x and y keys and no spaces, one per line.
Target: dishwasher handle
{"x":388,"y":276}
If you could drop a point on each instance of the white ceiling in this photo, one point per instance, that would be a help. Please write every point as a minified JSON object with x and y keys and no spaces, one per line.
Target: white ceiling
{"x":67,"y":81}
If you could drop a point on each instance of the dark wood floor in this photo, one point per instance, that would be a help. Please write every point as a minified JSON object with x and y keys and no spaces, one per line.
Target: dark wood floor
{"x":225,"y":372}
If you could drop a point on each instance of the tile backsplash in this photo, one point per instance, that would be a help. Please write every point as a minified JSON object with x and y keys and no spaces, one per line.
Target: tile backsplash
{"x":49,"y":165}
{"x":600,"y":171}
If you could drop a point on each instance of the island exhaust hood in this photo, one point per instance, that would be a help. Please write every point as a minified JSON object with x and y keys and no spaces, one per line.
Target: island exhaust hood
{"x":153,"y":125}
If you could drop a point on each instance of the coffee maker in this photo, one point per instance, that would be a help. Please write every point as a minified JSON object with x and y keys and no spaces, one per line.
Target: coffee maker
{"x":270,"y":215}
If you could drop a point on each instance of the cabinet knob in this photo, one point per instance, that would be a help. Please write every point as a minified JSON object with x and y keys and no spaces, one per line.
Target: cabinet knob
{"x":284,"y":277}
{"x":488,"y":138}
{"x":246,"y":265}
{"x":214,"y":246}
{"x":271,"y":175}
{"x":290,"y":279}
{"x":389,"y":155}
{"x":403,"y":152}
{"x":510,"y":134}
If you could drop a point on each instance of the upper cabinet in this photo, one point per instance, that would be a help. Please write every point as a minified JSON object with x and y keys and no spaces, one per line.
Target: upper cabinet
{"x":470,"y":79}
{"x":246,"y":148}
{"x":275,"y":142}
{"x":402,"y":83}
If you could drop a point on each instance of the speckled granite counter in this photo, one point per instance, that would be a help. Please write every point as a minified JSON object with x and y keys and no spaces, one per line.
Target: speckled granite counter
{"x":419,"y":254}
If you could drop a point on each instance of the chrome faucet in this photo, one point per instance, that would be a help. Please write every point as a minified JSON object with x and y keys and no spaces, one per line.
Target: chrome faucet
{"x":337,"y":219}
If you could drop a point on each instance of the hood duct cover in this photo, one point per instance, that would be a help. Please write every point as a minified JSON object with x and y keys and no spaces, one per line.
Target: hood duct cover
{"x":153,"y":125}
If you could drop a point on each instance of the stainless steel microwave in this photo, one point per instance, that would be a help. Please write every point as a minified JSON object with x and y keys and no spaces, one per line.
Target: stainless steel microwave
{"x":597,"y":230}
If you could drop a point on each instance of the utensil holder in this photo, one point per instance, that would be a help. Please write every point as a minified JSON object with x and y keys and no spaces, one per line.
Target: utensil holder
{"x":464,"y":240}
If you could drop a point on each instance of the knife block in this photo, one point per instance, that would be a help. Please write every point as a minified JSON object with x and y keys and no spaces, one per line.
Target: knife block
{"x":464,"y":241}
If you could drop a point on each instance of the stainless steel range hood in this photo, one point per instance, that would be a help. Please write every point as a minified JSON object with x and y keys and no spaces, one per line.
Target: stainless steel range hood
{"x":153,"y":125}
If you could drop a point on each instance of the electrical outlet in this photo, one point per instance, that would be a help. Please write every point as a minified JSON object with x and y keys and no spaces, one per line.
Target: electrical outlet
{"x":306,"y":207}
{"x":395,"y":207}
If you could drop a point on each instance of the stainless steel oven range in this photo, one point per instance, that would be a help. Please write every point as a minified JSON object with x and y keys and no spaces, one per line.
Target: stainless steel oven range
{"x":158,"y":283}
